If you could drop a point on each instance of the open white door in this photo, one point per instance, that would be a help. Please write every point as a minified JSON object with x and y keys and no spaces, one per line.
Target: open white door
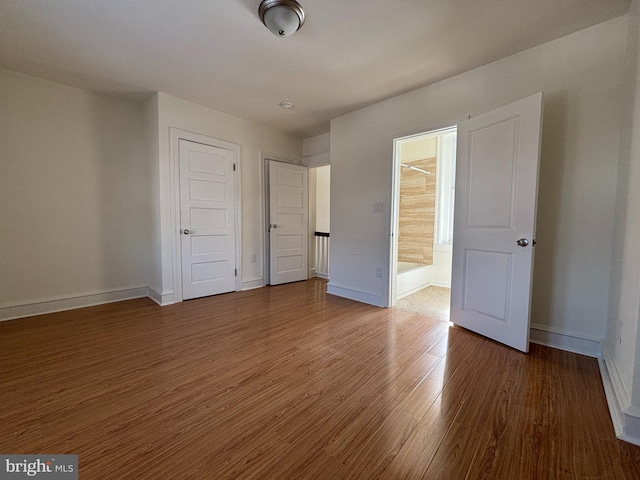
{"x":494,"y":221}
{"x":289,"y":219}
{"x":207,"y":220}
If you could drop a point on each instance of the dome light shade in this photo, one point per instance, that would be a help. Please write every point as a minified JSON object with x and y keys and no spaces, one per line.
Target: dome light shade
{"x":282,"y":17}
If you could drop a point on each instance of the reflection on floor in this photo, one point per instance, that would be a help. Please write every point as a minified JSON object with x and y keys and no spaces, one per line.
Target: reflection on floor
{"x":432,"y":301}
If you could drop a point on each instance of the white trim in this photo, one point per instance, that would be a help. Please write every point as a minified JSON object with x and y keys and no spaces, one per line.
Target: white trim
{"x":437,"y":283}
{"x":175,"y":135}
{"x":252,"y":284}
{"x":391,"y":289}
{"x":358,"y":296}
{"x":278,"y":158}
{"x":264,"y":204}
{"x":162,"y":299}
{"x":621,"y":393}
{"x":570,"y":342}
{"x":414,"y":290}
{"x":631,"y":432}
{"x":70,"y":302}
{"x":321,"y":275}
{"x":617,"y":417}
{"x":155,"y":296}
{"x":625,"y":418}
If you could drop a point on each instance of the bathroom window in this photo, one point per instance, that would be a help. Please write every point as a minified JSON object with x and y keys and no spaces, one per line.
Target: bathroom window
{"x":446,"y":187}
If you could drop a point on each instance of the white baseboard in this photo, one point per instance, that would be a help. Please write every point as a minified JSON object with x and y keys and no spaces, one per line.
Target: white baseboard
{"x":356,"y":295}
{"x":70,"y":302}
{"x":155,"y":296}
{"x":625,"y":418}
{"x":315,"y":273}
{"x":550,"y":337}
{"x":413,"y":290}
{"x":162,"y":299}
{"x":436,"y":283}
{"x":251,"y":284}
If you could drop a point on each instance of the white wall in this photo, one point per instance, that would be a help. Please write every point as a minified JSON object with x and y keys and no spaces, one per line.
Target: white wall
{"x":74,"y":210}
{"x":316,"y":150}
{"x":316,"y":145}
{"x":419,"y":149}
{"x":631,"y":272}
{"x":154,"y":246}
{"x":319,"y":201}
{"x":620,"y":348}
{"x":253,"y":139}
{"x":313,"y":182}
{"x":442,"y":261}
{"x":323,"y":198}
{"x":580,"y":77}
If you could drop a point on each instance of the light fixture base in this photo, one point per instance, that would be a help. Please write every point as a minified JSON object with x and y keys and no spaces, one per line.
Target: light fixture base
{"x":282,"y":17}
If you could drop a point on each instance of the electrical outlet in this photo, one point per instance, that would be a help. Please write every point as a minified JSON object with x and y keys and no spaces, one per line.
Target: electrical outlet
{"x":377,"y":207}
{"x":378,"y":272}
{"x":253,"y":258}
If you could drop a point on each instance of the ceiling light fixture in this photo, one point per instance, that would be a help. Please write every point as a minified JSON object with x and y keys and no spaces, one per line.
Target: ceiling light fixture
{"x":281,"y":17}
{"x":286,"y":105}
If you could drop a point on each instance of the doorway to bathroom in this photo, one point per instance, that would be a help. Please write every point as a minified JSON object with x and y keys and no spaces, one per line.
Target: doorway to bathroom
{"x":424,"y":192}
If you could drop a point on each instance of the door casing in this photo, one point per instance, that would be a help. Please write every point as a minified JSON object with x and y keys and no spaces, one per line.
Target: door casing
{"x":175,"y":135}
{"x":282,"y":221}
{"x":264,"y":210}
{"x":395,"y":203}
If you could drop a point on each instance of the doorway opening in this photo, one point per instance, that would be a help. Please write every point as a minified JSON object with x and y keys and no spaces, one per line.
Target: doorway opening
{"x":319,"y":221}
{"x":286,"y":221}
{"x":424,"y":192}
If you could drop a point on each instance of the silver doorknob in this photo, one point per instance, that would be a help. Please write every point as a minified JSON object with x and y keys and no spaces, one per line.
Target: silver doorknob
{"x":275,"y":226}
{"x":522,"y":242}
{"x":186,"y":231}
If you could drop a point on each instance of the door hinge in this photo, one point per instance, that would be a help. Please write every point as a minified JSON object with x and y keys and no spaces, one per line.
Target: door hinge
{"x":236,"y":272}
{"x":234,"y":167}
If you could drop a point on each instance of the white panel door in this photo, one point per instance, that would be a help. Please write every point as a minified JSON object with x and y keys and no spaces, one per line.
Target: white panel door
{"x":289,"y":219}
{"x":494,"y":221}
{"x":207,"y":219}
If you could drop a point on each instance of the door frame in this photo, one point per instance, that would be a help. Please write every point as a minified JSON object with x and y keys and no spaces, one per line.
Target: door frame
{"x":391,"y":287}
{"x":175,"y":135}
{"x":264,"y":207}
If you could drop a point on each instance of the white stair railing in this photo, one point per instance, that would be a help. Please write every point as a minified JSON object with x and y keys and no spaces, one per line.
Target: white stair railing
{"x":322,"y":254}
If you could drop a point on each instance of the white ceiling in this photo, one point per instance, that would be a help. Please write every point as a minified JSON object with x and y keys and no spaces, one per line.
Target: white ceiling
{"x":349,"y":53}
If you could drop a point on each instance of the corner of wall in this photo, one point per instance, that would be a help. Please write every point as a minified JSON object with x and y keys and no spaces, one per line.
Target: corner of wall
{"x":625,"y":418}
{"x":152,"y":139}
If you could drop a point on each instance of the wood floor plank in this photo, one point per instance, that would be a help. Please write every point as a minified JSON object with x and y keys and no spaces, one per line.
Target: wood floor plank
{"x":289,"y":382}
{"x":438,"y":416}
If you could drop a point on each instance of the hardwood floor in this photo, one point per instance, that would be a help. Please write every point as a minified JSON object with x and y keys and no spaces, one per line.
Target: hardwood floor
{"x":288,"y":382}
